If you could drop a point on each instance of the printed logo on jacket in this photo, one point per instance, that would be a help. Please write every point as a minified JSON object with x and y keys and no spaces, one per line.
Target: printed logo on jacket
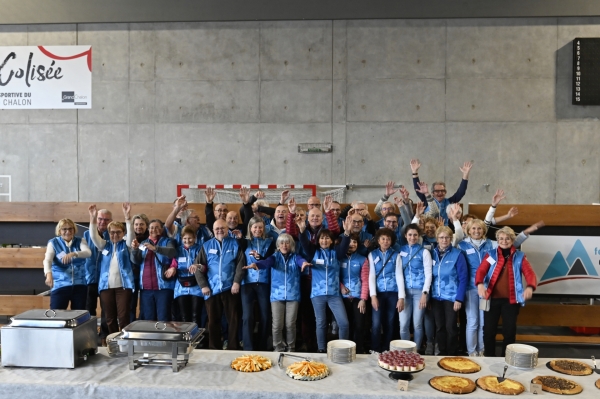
{"x":564,"y":264}
{"x":46,"y":77}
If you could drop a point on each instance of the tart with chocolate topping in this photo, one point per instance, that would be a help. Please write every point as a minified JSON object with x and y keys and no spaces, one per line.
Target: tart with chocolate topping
{"x":558,"y":385}
{"x":570,"y":367}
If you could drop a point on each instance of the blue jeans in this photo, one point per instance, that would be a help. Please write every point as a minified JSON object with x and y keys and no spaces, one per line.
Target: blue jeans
{"x":156,"y":304}
{"x":76,"y":294}
{"x":474,"y":322}
{"x":383,"y":317}
{"x":260,"y":293}
{"x":336,"y":304}
{"x":412,"y":311}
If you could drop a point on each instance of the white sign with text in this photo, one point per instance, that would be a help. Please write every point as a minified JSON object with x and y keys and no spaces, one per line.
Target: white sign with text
{"x":46,"y":77}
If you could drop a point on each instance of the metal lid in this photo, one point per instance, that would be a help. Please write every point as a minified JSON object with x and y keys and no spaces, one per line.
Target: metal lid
{"x":50,"y":318}
{"x":161,"y":330}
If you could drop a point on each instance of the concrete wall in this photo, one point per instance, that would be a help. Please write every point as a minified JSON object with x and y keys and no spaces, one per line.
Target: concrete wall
{"x":206,"y":103}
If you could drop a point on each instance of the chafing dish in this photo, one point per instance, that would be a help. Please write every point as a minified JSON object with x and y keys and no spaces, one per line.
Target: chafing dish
{"x":49,"y":338}
{"x":155,"y":338}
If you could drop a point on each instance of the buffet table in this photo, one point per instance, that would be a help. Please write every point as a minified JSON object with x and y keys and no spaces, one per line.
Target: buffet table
{"x":209,"y":376}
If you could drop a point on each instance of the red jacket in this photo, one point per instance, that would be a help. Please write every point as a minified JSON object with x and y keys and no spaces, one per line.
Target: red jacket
{"x":526,"y":269}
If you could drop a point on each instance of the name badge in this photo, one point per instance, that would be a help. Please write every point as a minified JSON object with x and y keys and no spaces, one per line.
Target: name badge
{"x":434,"y":262}
{"x":376,"y":260}
{"x":344,"y":265}
{"x":105,"y":252}
{"x":182,"y":259}
{"x":213,"y":251}
{"x":491,"y":261}
{"x":470,"y":251}
{"x":320,"y":262}
{"x":403,"y":254}
{"x":428,"y":247}
{"x":60,"y":255}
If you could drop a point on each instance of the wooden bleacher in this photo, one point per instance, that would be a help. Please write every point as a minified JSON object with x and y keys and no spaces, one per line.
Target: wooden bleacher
{"x":533,"y":314}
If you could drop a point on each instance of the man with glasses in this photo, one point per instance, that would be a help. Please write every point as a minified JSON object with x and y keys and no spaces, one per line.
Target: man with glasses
{"x":211,"y":211}
{"x":188,"y":217}
{"x":221,"y":261}
{"x":439,"y":188}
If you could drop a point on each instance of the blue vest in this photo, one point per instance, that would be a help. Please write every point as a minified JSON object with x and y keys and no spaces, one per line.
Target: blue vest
{"x":442,"y":206}
{"x":445,"y":275}
{"x":185,"y":258}
{"x":517,"y":261}
{"x":162,"y":283}
{"x":429,"y":243}
{"x":260,"y":245}
{"x":72,"y":273}
{"x":475,"y":256}
{"x":325,"y":273}
{"x":350,"y":274}
{"x":92,"y":264}
{"x":285,"y":278}
{"x":124,"y":265}
{"x":202,"y":234}
{"x":386,"y":279}
{"x":414,"y":271}
{"x":221,"y":262}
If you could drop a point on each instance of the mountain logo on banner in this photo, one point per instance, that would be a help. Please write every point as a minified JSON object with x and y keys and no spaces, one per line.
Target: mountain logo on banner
{"x":576,"y":265}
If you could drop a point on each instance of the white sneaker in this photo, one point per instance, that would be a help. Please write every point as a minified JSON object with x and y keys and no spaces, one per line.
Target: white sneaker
{"x":480,"y":354}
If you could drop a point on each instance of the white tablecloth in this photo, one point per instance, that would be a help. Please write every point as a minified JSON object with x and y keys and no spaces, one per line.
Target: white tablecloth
{"x":209,"y":376}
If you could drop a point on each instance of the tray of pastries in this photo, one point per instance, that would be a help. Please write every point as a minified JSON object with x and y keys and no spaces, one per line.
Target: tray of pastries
{"x":459,"y":364}
{"x":569,"y":367}
{"x":558,"y":385}
{"x":401,"y":361}
{"x":251,"y":363}
{"x":507,"y":387}
{"x":452,"y":384}
{"x":307,"y":370}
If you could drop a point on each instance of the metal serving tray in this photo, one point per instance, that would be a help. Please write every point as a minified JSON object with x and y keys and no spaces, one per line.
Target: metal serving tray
{"x":50,"y":318}
{"x":159,"y":330}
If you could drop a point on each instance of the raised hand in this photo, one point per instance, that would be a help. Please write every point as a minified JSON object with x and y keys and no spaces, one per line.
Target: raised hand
{"x":237,"y":233}
{"x":285,"y":195}
{"x":126,"y":210}
{"x":348,"y":225}
{"x":466,"y":168}
{"x":259,"y":194}
{"x":512,"y":212}
{"x":389,"y":189}
{"x":415,"y":165}
{"x":301,"y":222}
{"x":210,"y":194}
{"x":93,"y":211}
{"x":327,"y":203}
{"x":420,"y":208}
{"x":423,"y":189}
{"x":499,"y":196}
{"x":135,"y":244}
{"x":292,"y":205}
{"x":180,"y":203}
{"x":399,"y":202}
{"x":439,"y":221}
{"x":404,"y":192}
{"x":245,"y":195}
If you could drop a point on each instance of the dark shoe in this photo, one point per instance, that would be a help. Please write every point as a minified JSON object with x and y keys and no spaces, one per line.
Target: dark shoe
{"x":322,"y":351}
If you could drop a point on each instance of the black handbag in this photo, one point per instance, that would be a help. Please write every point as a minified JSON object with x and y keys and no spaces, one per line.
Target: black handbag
{"x":187,"y":281}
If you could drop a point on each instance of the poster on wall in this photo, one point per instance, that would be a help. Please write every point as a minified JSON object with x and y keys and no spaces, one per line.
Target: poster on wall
{"x":565,"y":265}
{"x":46,"y":77}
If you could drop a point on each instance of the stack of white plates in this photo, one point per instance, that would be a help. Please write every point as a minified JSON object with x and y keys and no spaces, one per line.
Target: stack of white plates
{"x":113,"y":345}
{"x":341,"y":351}
{"x":521,"y":356}
{"x":403,"y":345}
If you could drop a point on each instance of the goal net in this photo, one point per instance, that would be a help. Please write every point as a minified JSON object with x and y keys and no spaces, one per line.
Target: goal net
{"x":229,"y":194}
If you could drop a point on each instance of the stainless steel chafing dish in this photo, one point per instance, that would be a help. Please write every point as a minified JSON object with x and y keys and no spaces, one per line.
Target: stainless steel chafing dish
{"x":155,"y":338}
{"x":49,"y":338}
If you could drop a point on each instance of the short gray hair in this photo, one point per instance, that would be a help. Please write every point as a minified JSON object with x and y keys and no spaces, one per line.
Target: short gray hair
{"x":283,"y":237}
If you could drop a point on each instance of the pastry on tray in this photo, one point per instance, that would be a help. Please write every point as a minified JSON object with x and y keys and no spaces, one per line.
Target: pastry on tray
{"x":507,"y":387}
{"x":558,"y":385}
{"x":570,"y":367}
{"x":307,"y":371}
{"x":459,"y":365}
{"x":251,"y":363}
{"x":452,"y":384}
{"x":401,"y":361}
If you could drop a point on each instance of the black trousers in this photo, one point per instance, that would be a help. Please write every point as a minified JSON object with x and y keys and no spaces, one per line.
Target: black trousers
{"x":357,"y":323}
{"x":446,"y":330}
{"x":218,"y":305}
{"x":190,"y":307}
{"x":509,"y":312}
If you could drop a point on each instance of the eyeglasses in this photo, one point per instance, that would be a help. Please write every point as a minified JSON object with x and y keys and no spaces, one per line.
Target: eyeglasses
{"x":439,"y":191}
{"x":387,"y":209}
{"x":104,"y":219}
{"x":221,"y":210}
{"x":115,"y":232}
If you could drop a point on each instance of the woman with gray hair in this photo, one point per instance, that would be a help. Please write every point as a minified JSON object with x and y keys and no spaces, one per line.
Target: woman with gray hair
{"x":285,"y":266}
{"x":64,"y":267}
{"x":256,"y":285}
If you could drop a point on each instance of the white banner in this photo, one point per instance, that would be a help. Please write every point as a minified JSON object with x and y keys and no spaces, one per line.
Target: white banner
{"x":46,"y":77}
{"x":565,"y":265}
